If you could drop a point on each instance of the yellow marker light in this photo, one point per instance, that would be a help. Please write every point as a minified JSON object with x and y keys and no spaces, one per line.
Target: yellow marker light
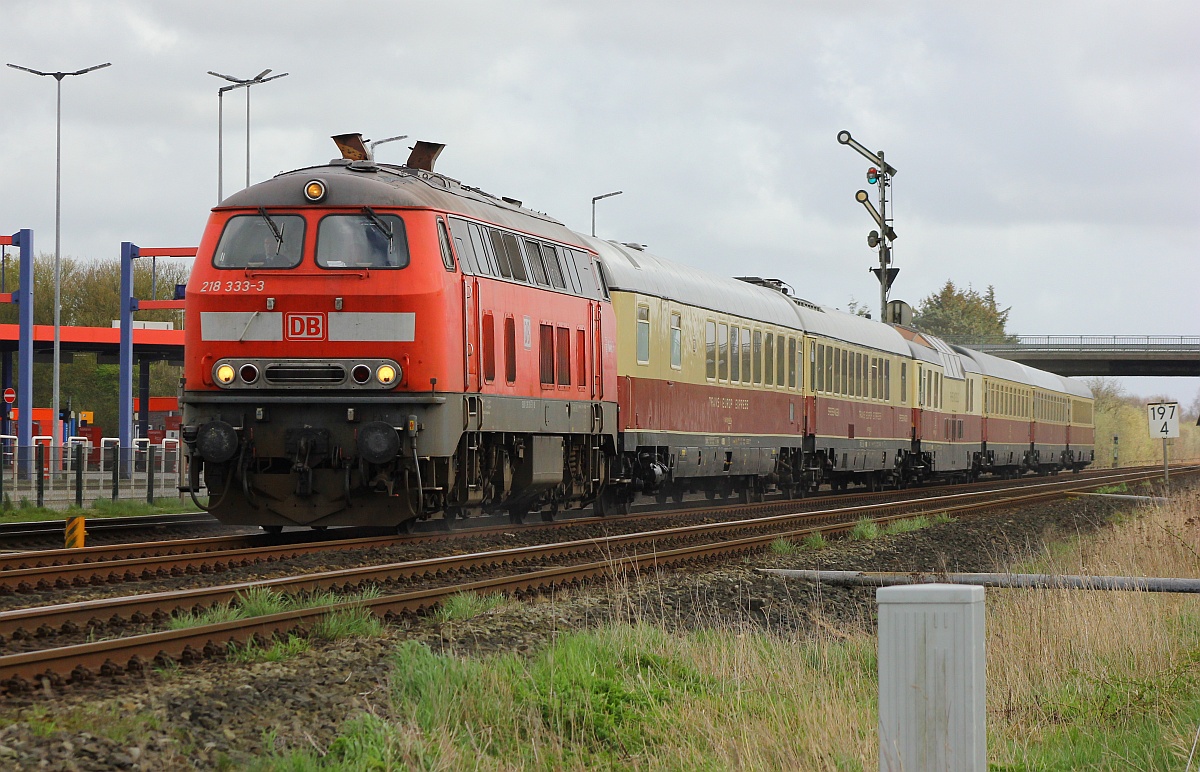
{"x":225,"y":374}
{"x":385,"y":374}
{"x":314,"y":191}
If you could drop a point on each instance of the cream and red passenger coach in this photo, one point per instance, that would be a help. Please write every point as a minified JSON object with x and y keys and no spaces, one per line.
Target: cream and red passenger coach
{"x":369,"y":344}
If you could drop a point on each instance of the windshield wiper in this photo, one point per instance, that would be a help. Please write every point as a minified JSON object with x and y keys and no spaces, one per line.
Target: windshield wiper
{"x":380,"y":224}
{"x":275,"y":229}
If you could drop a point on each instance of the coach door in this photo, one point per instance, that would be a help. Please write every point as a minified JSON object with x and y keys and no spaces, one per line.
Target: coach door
{"x":471,"y":342}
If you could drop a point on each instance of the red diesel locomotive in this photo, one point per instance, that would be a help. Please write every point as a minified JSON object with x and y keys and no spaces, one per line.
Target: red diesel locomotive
{"x":371,"y":344}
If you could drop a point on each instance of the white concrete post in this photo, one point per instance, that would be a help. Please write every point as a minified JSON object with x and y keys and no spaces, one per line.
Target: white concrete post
{"x":931,"y":678}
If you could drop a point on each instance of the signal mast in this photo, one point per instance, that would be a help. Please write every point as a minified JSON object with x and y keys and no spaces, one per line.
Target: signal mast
{"x":879,"y":175}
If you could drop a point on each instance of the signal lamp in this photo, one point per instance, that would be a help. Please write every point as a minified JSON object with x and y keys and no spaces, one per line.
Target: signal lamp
{"x":872,"y":175}
{"x":873,"y":239}
{"x":386,"y":374}
{"x":225,"y":374}
{"x":249,"y":373}
{"x":314,"y":191}
{"x":361,"y":374}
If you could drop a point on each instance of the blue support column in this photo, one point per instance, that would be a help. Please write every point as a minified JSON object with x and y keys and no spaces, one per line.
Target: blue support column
{"x":129,"y":252}
{"x":24,"y":299}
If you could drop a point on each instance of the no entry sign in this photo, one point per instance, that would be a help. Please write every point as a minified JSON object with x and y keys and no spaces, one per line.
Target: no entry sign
{"x":10,"y":396}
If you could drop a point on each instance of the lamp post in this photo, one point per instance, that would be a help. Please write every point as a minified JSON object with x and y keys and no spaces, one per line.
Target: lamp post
{"x":58,"y":76}
{"x":597,"y":198}
{"x":237,"y":83}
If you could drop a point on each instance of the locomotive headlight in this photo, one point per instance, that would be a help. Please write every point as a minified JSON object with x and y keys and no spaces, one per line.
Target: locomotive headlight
{"x":386,"y":374}
{"x":314,"y":191}
{"x":224,"y":374}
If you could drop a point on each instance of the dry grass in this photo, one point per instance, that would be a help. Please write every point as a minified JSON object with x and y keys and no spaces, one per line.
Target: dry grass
{"x":1098,"y":665}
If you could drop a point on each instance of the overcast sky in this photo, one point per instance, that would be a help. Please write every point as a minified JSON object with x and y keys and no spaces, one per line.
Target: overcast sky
{"x":1045,"y":148}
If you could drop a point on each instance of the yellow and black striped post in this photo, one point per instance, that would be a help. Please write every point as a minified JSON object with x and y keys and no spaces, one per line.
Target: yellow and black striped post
{"x":75,"y":532}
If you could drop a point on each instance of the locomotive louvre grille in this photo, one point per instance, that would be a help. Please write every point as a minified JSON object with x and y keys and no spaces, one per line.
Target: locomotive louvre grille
{"x":305,"y":372}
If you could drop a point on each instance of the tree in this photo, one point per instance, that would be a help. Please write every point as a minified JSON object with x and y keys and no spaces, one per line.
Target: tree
{"x":963,"y":316}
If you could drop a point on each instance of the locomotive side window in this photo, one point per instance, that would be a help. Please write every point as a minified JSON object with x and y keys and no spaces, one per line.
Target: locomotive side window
{"x":261,"y":241}
{"x":483,"y":254}
{"x":460,"y":230}
{"x":514,"y":257}
{"x":553,"y":268}
{"x":510,"y":350}
{"x":581,"y":357}
{"x":643,"y":335}
{"x":676,"y":341}
{"x":500,"y":252}
{"x":533,"y":254}
{"x":489,"y":347}
{"x":710,"y":350}
{"x":563,"y":355}
{"x":444,"y":243}
{"x":367,"y":240}
{"x":546,"y":353}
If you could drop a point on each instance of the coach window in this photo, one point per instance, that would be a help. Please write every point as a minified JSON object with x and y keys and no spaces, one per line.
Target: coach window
{"x":367,"y":240}
{"x":904,"y":383}
{"x":758,"y":356}
{"x":261,"y":241}
{"x":779,"y":359}
{"x":676,"y":341}
{"x":818,"y":374}
{"x":710,"y":350}
{"x":444,"y":243}
{"x":829,"y":370}
{"x":887,"y":379}
{"x":510,"y":350}
{"x":746,"y":356}
{"x":546,"y":353}
{"x":533,"y":255}
{"x":723,"y":352}
{"x":873,"y":380}
{"x":643,"y":335}
{"x":489,"y":347}
{"x":791,"y":380}
{"x":847,"y":369}
{"x":769,"y":360}
{"x":735,"y":355}
{"x":563,"y":354}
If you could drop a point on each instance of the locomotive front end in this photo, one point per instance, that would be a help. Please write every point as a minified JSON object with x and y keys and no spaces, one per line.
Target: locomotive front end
{"x":314,"y":346}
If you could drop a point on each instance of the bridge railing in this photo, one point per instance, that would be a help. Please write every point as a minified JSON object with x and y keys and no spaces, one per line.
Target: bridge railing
{"x":1074,"y":342}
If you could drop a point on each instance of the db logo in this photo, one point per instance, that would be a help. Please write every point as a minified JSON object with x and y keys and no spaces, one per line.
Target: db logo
{"x":305,"y":326}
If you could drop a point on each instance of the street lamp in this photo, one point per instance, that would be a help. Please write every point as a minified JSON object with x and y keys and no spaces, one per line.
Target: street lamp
{"x":597,"y":198}
{"x":237,"y":83}
{"x":58,"y":76}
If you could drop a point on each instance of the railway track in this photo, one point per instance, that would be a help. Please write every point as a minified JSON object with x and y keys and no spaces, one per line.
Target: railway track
{"x":414,"y":586}
{"x":46,"y":570}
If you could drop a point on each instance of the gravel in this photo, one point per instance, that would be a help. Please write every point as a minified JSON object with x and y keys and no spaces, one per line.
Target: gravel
{"x":221,"y":714}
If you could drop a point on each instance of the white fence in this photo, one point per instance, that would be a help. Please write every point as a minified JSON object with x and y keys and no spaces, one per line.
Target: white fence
{"x":80,"y":473}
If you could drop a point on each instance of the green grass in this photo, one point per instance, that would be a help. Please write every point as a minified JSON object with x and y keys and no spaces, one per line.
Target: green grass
{"x":1118,"y":488}
{"x":347,"y":623}
{"x":815,"y":541}
{"x":908,"y":525}
{"x":24,"y":510}
{"x":263,"y":601}
{"x":278,"y":651}
{"x":467,"y":605}
{"x":783,"y":546}
{"x":865,"y":530}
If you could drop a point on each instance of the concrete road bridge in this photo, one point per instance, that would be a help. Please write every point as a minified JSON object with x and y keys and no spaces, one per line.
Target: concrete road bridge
{"x":1105,"y":355}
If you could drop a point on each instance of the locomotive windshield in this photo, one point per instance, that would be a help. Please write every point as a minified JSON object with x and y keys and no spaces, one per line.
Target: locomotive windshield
{"x":367,"y":240}
{"x":261,"y":241}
